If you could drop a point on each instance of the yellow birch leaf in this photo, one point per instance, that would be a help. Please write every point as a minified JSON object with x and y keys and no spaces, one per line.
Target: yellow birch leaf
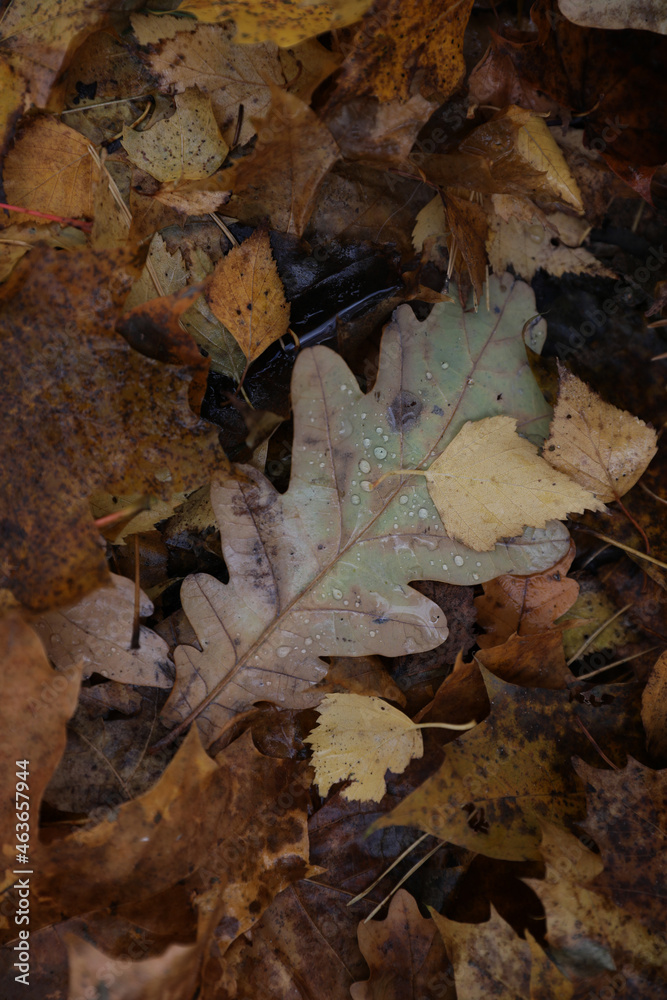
{"x":51,"y":170}
{"x":538,"y":148}
{"x":489,"y":484}
{"x":285,"y":22}
{"x":603,"y":448}
{"x":246,"y":295}
{"x":361,"y":738}
{"x":186,"y":147}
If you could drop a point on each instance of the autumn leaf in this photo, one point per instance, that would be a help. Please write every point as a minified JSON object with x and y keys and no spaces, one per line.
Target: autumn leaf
{"x":615,"y":14}
{"x":360,"y":738}
{"x":404,"y":954}
{"x":330,"y":539}
{"x":245,"y":293}
{"x":603,"y":448}
{"x":173,"y":974}
{"x":187,"y":146}
{"x":654,"y":714}
{"x":285,"y":23}
{"x":93,"y":414}
{"x":294,"y":137}
{"x":489,"y":484}
{"x":50,"y":170}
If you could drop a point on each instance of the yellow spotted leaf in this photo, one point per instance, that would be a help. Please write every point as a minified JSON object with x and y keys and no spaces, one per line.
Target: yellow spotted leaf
{"x":285,"y":22}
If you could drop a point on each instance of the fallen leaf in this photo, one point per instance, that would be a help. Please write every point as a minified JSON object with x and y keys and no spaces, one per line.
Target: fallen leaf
{"x":97,"y":632}
{"x":489,"y":483}
{"x":404,"y":954}
{"x":50,"y":169}
{"x":95,"y":414}
{"x":290,"y":135}
{"x":498,"y":781}
{"x":361,"y":738}
{"x":246,"y":294}
{"x":647,"y":15}
{"x":329,"y":539}
{"x":468,"y":225}
{"x":286,"y":23}
{"x":363,"y":675}
{"x":525,"y":604}
{"x":535,"y":660}
{"x":384,"y":59}
{"x":491,"y":960}
{"x":92,"y":973}
{"x":12,"y":102}
{"x":187,"y":146}
{"x":35,"y":711}
{"x":103,"y":504}
{"x":368,"y":129}
{"x":603,"y":448}
{"x":654,"y":708}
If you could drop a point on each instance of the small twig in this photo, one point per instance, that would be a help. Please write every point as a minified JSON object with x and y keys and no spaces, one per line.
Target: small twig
{"x":136,"y":624}
{"x":588,"y":736}
{"x":594,"y":555}
{"x":636,"y":524}
{"x":616,"y":663}
{"x":228,"y":233}
{"x":586,"y":643}
{"x":124,"y":513}
{"x":105,"y":104}
{"x":644,"y":487}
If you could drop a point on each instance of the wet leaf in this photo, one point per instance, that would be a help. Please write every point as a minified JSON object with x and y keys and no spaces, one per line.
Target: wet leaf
{"x":285,"y":22}
{"x":489,"y":484}
{"x":603,"y":448}
{"x":404,"y":954}
{"x":94,"y":414}
{"x":360,"y":738}
{"x":297,"y":558}
{"x":647,"y":15}
{"x":187,"y":146}
{"x":246,"y":294}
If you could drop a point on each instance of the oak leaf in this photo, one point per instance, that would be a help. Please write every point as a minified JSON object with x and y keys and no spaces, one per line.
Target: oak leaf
{"x":246,"y":294}
{"x":311,"y":568}
{"x":292,"y":137}
{"x":50,"y":169}
{"x":404,"y":953}
{"x":285,"y":22}
{"x":94,"y":414}
{"x":603,"y":448}
{"x":361,"y":738}
{"x":187,"y":146}
{"x":489,"y":483}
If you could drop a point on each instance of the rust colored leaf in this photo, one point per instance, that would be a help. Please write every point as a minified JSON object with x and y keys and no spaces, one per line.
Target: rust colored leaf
{"x":469,"y":229}
{"x":404,"y":952}
{"x":290,"y":139}
{"x":93,"y":415}
{"x":535,"y":660}
{"x":246,"y":294}
{"x":92,"y":973}
{"x":525,"y":604}
{"x":398,"y":39}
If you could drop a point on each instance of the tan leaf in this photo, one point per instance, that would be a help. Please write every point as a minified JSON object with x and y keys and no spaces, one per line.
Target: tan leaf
{"x":172,"y":974}
{"x":291,"y":138}
{"x":654,"y":708}
{"x":361,"y":738}
{"x":489,"y":483}
{"x":469,"y":228}
{"x":50,"y":170}
{"x":247,"y":296}
{"x":97,"y":632}
{"x":285,"y":22}
{"x":431,"y":222}
{"x":12,"y":101}
{"x":603,"y":448}
{"x":187,"y":146}
{"x":645,"y":15}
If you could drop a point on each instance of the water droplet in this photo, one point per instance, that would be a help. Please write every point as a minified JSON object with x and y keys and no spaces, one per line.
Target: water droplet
{"x":309,"y":642}
{"x":322,"y":465}
{"x":378,"y":430}
{"x":429,"y":375}
{"x":423,"y":512}
{"x":403,"y":499}
{"x":445,"y":364}
{"x":283,"y":651}
{"x":363,"y":416}
{"x":355,"y":499}
{"x":458,"y":560}
{"x":343,"y":387}
{"x":536,"y":233}
{"x":444,"y":566}
{"x":364,"y":465}
{"x":366,"y":486}
{"x":372,"y":634}
{"x":379,"y":453}
{"x":478,"y":564}
{"x":366,"y":442}
{"x":337,"y":593}
{"x":395,"y":527}
{"x":475,"y":576}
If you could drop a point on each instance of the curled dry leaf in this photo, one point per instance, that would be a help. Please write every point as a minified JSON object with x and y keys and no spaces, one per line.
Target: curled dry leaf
{"x":361,"y":738}
{"x":314,"y":570}
{"x":293,"y":137}
{"x":94,"y":414}
{"x":489,"y":483}
{"x":34,"y":711}
{"x":246,"y":294}
{"x":525,"y":604}
{"x":596,"y":444}
{"x":286,"y":22}
{"x":97,"y":632}
{"x":50,"y":169}
{"x":405,"y":955}
{"x":186,"y":147}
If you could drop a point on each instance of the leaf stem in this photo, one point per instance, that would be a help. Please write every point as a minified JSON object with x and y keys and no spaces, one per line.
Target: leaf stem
{"x":445,"y":725}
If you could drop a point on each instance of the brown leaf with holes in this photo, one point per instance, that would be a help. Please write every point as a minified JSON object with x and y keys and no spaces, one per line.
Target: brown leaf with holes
{"x":93,"y":415}
{"x":246,"y":294}
{"x":293,"y":138}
